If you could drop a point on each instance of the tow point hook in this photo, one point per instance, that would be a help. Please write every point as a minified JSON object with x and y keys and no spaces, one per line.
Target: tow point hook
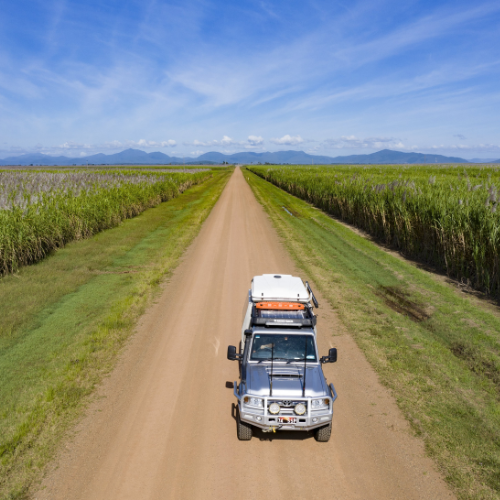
{"x":272,"y":429}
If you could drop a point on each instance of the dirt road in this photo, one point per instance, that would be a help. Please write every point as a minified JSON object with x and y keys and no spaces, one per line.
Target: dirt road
{"x":164,"y":425}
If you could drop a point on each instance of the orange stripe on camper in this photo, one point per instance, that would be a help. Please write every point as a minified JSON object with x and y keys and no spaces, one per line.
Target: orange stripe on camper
{"x":288,"y":306}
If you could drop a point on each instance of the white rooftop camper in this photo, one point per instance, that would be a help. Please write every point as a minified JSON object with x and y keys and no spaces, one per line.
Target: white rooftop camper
{"x":279,"y":300}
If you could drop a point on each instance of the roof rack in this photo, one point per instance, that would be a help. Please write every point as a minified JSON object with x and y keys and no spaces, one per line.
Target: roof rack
{"x":276,"y":313}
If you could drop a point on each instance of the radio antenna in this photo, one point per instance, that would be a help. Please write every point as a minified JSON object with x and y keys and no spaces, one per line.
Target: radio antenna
{"x":272,"y":365}
{"x":305,"y":366}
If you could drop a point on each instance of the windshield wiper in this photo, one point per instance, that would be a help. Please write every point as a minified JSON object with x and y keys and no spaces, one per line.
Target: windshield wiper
{"x":300,"y":359}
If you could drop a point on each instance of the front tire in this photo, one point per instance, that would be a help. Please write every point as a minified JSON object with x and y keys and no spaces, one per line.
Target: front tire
{"x":244,"y":430}
{"x":322,"y":435}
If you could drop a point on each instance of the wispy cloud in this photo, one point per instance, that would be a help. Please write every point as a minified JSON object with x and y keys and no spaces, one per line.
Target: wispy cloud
{"x":141,"y":143}
{"x":225,"y":141}
{"x":290,"y":68}
{"x":353,"y":142}
{"x":342,"y":145}
{"x":199,"y":68}
{"x":464,"y":147}
{"x":439,"y":23}
{"x":253,"y":141}
{"x":82,"y":149}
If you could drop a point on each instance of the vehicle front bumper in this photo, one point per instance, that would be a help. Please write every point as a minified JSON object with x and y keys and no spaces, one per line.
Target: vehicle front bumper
{"x":311,"y":420}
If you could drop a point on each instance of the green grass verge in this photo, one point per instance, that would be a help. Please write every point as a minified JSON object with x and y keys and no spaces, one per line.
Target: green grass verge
{"x":63,"y":321}
{"x":437,"y":349}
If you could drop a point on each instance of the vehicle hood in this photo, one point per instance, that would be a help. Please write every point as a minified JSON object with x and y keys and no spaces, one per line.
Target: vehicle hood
{"x":287,"y":381}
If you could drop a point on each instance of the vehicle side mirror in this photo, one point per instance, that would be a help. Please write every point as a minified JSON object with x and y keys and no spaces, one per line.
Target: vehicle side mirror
{"x":332,"y":354}
{"x":231,"y":353}
{"x":248,"y":332}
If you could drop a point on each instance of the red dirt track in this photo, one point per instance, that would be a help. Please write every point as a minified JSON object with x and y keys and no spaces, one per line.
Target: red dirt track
{"x":163,"y":425}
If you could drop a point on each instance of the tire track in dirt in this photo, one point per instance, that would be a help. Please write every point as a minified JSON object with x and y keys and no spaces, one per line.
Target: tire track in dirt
{"x":163,"y":425}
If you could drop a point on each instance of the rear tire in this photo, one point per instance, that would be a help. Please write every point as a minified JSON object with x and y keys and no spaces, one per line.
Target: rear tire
{"x":322,"y":435}
{"x":244,"y":430}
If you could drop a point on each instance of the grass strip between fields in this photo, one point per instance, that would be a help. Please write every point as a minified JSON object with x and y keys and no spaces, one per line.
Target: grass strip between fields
{"x":436,"y":348}
{"x":63,"y":321}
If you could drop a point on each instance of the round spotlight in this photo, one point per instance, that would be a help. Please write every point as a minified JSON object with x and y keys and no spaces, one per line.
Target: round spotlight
{"x":274,"y":408}
{"x":300,"y":409}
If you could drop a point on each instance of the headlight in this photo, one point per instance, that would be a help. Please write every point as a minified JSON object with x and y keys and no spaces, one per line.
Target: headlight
{"x":274,"y":408}
{"x":255,"y":402}
{"x":300,"y":409}
{"x":320,"y":404}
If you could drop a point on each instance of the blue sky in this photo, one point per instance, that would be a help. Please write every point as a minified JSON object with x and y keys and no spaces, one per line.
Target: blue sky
{"x":191,"y":76}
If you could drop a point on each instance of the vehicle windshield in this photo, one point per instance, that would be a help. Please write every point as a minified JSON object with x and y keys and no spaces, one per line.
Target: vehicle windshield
{"x":283,"y":347}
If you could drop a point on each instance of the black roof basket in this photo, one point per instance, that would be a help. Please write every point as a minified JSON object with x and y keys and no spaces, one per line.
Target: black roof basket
{"x":288,"y":319}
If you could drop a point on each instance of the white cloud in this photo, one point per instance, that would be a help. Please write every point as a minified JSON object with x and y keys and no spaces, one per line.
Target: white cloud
{"x":170,"y":143}
{"x":74,"y":145}
{"x":348,"y":143}
{"x":288,"y":140}
{"x":83,"y":149}
{"x":151,"y":144}
{"x":141,"y":143}
{"x":472,"y":147}
{"x":353,"y":142}
{"x":225,"y":141}
{"x":254,"y":140}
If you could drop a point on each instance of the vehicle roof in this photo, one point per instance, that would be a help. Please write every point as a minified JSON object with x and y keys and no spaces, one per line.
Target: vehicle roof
{"x":279,"y":287}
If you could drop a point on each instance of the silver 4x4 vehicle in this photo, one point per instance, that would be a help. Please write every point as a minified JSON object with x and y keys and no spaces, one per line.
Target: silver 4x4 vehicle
{"x":282,"y":385}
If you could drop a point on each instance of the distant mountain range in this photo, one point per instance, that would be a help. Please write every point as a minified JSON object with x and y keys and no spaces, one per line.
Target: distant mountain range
{"x":484,"y":160}
{"x":138,"y":157}
{"x":127,"y":157}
